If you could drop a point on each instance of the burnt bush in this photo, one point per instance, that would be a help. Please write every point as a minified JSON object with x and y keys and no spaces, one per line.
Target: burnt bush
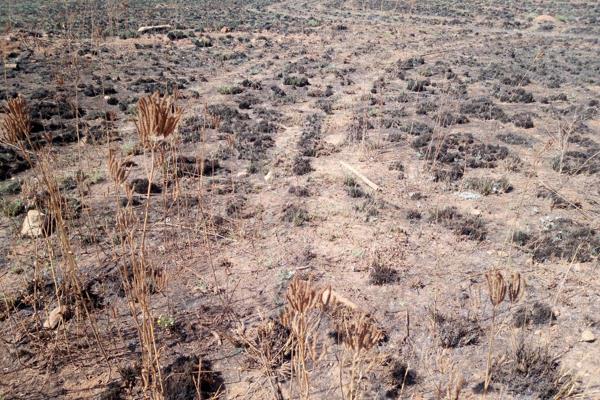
{"x":185,"y":374}
{"x":537,"y":314}
{"x":471,"y":227}
{"x":513,"y":95}
{"x":456,"y":332}
{"x":460,"y":149}
{"x":530,"y":371}
{"x":577,"y":162}
{"x":564,"y":238}
{"x":381,"y":274}
{"x":483,"y":108}
{"x":301,"y":165}
{"x":513,"y":138}
{"x":522,"y":120}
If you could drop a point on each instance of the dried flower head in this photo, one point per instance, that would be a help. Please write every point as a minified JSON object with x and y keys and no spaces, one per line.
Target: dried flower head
{"x":496,"y":287}
{"x":516,"y":287}
{"x":157,"y":117}
{"x":117,"y":168}
{"x":362,"y":334}
{"x":302,"y":296}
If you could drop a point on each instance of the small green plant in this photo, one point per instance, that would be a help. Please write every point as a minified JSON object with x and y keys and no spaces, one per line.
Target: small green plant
{"x":12,"y":208}
{"x":353,"y":188}
{"x":128,"y":148}
{"x":165,"y":321}
{"x":295,"y":215}
{"x":562,"y":18}
{"x":488,"y":186}
{"x":299,"y":81}
{"x":96,"y":176}
{"x":129,"y":34}
{"x":285,"y":275}
{"x":313,"y":22}
{"x":10,"y":187}
{"x":229,"y":89}
{"x":202,"y":286}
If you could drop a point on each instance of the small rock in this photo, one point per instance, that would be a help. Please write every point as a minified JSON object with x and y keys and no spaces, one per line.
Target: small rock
{"x":269,"y":176}
{"x":140,"y":185}
{"x":415,"y":196}
{"x":469,"y":195}
{"x":225,"y":30}
{"x":588,"y":336}
{"x":35,"y":224}
{"x":55,"y":317}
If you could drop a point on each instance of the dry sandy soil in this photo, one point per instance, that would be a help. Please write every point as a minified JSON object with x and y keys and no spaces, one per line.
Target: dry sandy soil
{"x":478,"y":122}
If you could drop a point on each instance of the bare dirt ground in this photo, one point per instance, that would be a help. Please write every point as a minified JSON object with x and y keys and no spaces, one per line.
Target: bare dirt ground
{"x":478,"y":122}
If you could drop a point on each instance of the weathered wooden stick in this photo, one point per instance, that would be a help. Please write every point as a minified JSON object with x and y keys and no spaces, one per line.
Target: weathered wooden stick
{"x":153,"y":28}
{"x":329,"y":295}
{"x":361,"y":176}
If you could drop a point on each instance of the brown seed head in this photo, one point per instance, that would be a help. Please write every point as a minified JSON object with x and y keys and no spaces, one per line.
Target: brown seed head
{"x":157,"y":118}
{"x":516,"y":287}
{"x":496,"y":287}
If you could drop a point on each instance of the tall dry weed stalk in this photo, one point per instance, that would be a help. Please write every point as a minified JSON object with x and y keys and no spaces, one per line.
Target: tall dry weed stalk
{"x":360,"y":336}
{"x":302,"y":316}
{"x":157,"y":120}
{"x":137,"y":278}
{"x":497,"y":290}
{"x":15,"y":132}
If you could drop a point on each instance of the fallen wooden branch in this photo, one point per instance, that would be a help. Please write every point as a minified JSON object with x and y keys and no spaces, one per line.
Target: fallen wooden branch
{"x":154,"y":28}
{"x":329,"y":296}
{"x":366,"y":180}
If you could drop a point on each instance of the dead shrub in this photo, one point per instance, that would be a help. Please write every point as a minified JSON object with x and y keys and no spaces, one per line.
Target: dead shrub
{"x":528,"y":370}
{"x":456,"y":332}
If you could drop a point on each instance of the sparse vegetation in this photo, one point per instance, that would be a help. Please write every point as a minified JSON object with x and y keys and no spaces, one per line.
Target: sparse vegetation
{"x":292,"y":200}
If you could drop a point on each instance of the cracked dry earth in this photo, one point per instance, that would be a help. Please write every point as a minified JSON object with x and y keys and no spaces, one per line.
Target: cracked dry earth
{"x":478,"y":122}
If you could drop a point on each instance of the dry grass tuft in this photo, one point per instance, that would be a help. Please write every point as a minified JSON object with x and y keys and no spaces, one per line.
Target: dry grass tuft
{"x":17,"y":123}
{"x":362,"y":334}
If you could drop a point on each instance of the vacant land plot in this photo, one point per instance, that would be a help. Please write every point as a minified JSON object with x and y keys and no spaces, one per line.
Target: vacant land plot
{"x":299,"y":199}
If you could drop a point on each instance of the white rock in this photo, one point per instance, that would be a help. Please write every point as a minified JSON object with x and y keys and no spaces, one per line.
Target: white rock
{"x":588,"y":336}
{"x":269,"y":176}
{"x":469,"y":195}
{"x":34,"y":224}
{"x":55,"y":317}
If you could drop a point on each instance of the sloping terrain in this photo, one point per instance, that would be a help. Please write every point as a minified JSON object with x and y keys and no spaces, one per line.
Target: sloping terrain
{"x":386,"y":155}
